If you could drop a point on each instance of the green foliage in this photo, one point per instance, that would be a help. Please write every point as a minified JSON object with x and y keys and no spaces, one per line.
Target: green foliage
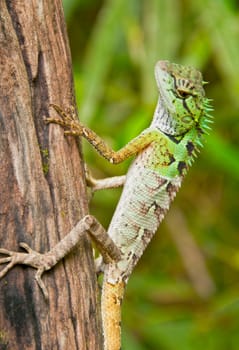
{"x":115,"y":44}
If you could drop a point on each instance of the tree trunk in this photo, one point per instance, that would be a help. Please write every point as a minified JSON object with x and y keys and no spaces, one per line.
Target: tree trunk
{"x":43,"y":194}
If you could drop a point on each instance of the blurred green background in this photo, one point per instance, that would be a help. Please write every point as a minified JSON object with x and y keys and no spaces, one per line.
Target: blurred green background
{"x":184,"y":293}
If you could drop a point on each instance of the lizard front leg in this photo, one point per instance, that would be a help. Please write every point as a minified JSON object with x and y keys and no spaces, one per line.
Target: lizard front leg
{"x":44,"y":262}
{"x":74,"y":127}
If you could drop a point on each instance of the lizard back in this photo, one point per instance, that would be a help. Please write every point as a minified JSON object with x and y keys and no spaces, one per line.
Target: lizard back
{"x":145,"y":199}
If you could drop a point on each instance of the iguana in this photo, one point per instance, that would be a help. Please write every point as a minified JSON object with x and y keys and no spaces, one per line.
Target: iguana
{"x":164,"y":151}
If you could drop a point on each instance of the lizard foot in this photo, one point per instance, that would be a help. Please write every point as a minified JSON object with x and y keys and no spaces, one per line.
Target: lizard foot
{"x":41,"y":262}
{"x":68,"y":120}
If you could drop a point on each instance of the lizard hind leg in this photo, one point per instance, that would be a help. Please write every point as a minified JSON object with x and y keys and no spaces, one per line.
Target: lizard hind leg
{"x":31,"y":258}
{"x":44,"y":262}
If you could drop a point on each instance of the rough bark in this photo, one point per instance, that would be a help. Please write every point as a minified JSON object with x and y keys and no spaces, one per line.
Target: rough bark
{"x":42,"y":194}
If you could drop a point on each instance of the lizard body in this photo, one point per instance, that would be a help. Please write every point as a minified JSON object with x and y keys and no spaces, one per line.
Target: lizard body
{"x":164,"y":152}
{"x":157,"y":172}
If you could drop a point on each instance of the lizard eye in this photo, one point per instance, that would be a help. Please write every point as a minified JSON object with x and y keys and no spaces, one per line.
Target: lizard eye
{"x":183,"y":93}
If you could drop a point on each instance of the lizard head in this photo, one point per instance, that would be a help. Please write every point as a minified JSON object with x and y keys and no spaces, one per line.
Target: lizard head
{"x":183,"y":98}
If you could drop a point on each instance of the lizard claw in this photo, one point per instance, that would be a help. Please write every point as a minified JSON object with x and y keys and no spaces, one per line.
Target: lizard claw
{"x":8,"y":260}
{"x":41,"y":262}
{"x":26,"y":247}
{"x":40,"y":282}
{"x":68,"y":120}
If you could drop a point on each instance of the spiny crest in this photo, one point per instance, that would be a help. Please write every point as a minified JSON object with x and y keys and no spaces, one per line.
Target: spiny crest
{"x":204,"y":128}
{"x":207,"y":118}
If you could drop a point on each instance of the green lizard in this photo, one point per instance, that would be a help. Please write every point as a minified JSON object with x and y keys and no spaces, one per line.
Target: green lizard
{"x":164,"y":152}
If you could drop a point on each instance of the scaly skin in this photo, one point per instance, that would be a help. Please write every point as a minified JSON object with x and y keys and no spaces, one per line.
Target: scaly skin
{"x":164,"y":151}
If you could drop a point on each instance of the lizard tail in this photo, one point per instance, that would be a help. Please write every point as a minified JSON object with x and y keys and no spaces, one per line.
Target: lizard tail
{"x":112,"y":295}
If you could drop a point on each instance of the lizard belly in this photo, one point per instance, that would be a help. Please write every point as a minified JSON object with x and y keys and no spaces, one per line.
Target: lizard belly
{"x":145,"y":199}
